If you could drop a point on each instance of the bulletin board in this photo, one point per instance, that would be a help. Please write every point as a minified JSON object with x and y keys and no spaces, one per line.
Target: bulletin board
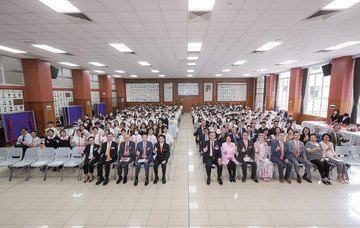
{"x":231,"y":92}
{"x":168,"y":92}
{"x":142,"y":92}
{"x":208,"y":91}
{"x":13,"y":122}
{"x":188,"y":89}
{"x":71,"y":114}
{"x":62,"y":99}
{"x":11,"y":101}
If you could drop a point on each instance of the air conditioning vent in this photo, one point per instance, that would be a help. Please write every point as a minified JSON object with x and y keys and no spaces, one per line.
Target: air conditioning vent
{"x":322,"y":15}
{"x":78,"y":17}
{"x":202,"y":15}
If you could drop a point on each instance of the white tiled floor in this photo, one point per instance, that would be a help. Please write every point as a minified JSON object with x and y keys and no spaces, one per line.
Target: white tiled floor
{"x":185,"y":201}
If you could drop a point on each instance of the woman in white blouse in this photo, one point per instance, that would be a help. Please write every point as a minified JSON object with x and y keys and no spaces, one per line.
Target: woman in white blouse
{"x":35,"y":141}
{"x":79,"y":141}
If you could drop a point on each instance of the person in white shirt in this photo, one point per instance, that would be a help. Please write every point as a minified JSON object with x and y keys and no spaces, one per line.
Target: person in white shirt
{"x":136,"y":138}
{"x":122,"y":136}
{"x":92,"y":156}
{"x":151,"y":137}
{"x":35,"y":141}
{"x":97,"y":136}
{"x":50,"y":125}
{"x":168,"y":136}
{"x":23,"y":140}
{"x":79,"y":141}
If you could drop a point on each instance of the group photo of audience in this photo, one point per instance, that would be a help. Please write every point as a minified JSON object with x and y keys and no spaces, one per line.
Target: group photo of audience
{"x":138,"y":136}
{"x":233,"y":135}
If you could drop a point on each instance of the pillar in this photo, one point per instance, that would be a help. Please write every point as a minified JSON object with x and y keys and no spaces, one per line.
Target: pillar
{"x":120,"y":92}
{"x":341,"y":84}
{"x":82,"y":94}
{"x":250,"y":92}
{"x":270,"y":92}
{"x":105,"y":91}
{"x":295,"y":98}
{"x":38,"y":91}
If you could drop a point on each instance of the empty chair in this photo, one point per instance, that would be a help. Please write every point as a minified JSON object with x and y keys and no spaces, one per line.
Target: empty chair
{"x":344,"y":153}
{"x":31,"y":156}
{"x":75,"y":160}
{"x":3,"y":153}
{"x":355,"y":152}
{"x":13,"y":156}
{"x":62,"y":155}
{"x":46,"y":156}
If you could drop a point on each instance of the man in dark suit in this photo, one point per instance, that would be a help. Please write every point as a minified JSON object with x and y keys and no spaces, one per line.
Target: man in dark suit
{"x":108,"y":155}
{"x":222,"y":137}
{"x":203,"y":138}
{"x":162,"y":151}
{"x":212,"y":155}
{"x":126,"y":157}
{"x":235,"y":137}
{"x":336,"y":137}
{"x":144,"y":150}
{"x":279,"y":155}
{"x":199,"y":131}
{"x":247,"y":156}
{"x":263,"y":127}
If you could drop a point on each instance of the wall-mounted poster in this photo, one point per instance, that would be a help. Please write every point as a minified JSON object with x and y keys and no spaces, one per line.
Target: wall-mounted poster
{"x":231,"y":92}
{"x":11,"y":101}
{"x":188,"y":89}
{"x":168,"y":92}
{"x":142,"y":92}
{"x":208,"y":91}
{"x":61,"y":99}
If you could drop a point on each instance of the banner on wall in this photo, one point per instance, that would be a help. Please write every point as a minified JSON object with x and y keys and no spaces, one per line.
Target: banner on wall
{"x":168,"y":92}
{"x":208,"y":91}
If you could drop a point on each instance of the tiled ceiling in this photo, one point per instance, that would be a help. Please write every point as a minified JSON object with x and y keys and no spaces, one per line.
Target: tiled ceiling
{"x":158,"y":32}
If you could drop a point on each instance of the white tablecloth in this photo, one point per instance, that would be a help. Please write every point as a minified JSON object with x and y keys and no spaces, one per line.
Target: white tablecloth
{"x":353,"y":136}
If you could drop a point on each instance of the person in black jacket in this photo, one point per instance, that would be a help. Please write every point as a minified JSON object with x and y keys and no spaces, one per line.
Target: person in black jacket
{"x":162,"y":151}
{"x":126,"y":156}
{"x":92,"y":156}
{"x":51,"y":139}
{"x":64,"y":140}
{"x":199,"y":131}
{"x":335,"y":117}
{"x":108,"y":155}
{"x":344,"y":119}
{"x":247,"y":156}
{"x":212,"y":155}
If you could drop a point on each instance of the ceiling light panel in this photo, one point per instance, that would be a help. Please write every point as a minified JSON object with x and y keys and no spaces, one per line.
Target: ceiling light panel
{"x":49,"y":48}
{"x":190,"y":71}
{"x":340,"y":4}
{"x":155,"y":71}
{"x":12,"y":50}
{"x":61,"y":6}
{"x":268,"y":46}
{"x":192,"y":58}
{"x":342,"y":45}
{"x":120,"y":71}
{"x":133,"y":75}
{"x":191,"y":64}
{"x":97,"y":64}
{"x":121,"y":47}
{"x":144,"y":63}
{"x":240,"y":62}
{"x":201,"y":5}
{"x":194,"y":47}
{"x":69,"y":64}
{"x":288,"y":62}
{"x":226,"y":70}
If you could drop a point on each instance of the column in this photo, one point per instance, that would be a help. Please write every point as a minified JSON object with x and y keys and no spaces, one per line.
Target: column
{"x":38,"y":91}
{"x":120,"y":92}
{"x":250,"y":92}
{"x":82,"y":92}
{"x":295,"y":98}
{"x":270,"y":92}
{"x":105,"y":91}
{"x":341,"y":84}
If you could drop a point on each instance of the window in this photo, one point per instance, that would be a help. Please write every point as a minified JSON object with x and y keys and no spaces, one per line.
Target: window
{"x":64,"y":79}
{"x":282,"y":96}
{"x":317,"y":92}
{"x":11,"y":71}
{"x":259,"y":98}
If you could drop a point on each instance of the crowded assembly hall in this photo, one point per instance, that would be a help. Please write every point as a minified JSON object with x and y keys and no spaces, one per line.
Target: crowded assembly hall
{"x":180,"y":113}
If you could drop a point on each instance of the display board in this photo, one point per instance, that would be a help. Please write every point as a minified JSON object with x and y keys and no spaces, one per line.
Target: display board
{"x":11,"y":101}
{"x":13,"y":122}
{"x":142,"y":92}
{"x":71,"y":114}
{"x":231,"y":91}
{"x":62,"y":99}
{"x":168,"y":92}
{"x":188,"y":89}
{"x":100,"y":108}
{"x":208,"y":91}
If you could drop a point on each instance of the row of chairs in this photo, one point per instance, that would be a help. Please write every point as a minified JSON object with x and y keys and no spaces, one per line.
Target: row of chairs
{"x":36,"y":158}
{"x":349,"y":154}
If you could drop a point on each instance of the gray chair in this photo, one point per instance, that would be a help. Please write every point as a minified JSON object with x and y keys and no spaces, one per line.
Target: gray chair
{"x":75,"y":160}
{"x":346,"y":155}
{"x":12,"y":157}
{"x":31,"y":156}
{"x":355,"y":153}
{"x":46,"y":156}
{"x":62,"y":156}
{"x":3,"y":153}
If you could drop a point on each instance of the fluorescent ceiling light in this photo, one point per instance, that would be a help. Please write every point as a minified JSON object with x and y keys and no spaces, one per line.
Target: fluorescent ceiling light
{"x":155,"y":71}
{"x":192,"y":58}
{"x":261,"y":70}
{"x":342,"y":45}
{"x":121,"y":47}
{"x":61,"y":6}
{"x":268,"y":46}
{"x":99,"y":71}
{"x":226,"y":70}
{"x":190,"y":75}
{"x":190,"y":71}
{"x":201,"y":5}
{"x":191,"y":64}
{"x":97,"y":64}
{"x":217,"y":75}
{"x":133,"y":75}
{"x":120,"y":71}
{"x":12,"y":50}
{"x":240,"y":62}
{"x":69,"y":64}
{"x":49,"y":48}
{"x":288,"y":62}
{"x":340,"y":4}
{"x":247,"y":75}
{"x":116,"y":76}
{"x":144,"y":63}
{"x":194,"y":47}
{"x":161,"y":75}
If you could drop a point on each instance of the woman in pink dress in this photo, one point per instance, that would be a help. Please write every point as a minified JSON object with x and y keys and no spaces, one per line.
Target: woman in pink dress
{"x":265,"y":166}
{"x":229,"y":152}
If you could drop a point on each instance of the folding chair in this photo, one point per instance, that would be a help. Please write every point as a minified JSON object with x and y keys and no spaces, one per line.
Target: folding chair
{"x":31,"y":156}
{"x":355,"y":152}
{"x":14,"y":156}
{"x":62,"y":156}
{"x":3,"y":153}
{"x":346,"y":155}
{"x":75,"y":160}
{"x":46,"y":156}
